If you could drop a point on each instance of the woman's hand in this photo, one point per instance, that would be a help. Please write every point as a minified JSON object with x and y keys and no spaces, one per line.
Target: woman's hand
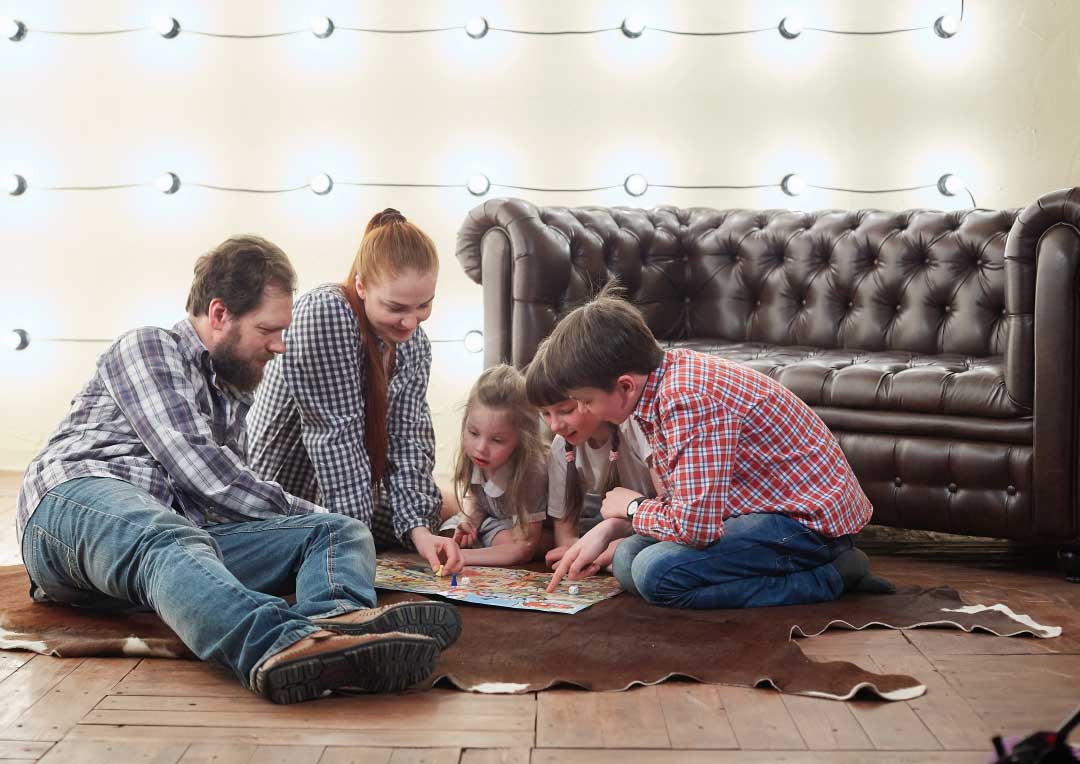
{"x":439,"y":551}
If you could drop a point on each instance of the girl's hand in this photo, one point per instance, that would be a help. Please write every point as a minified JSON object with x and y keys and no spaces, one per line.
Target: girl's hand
{"x":439,"y":551}
{"x":588,"y":555}
{"x":551,"y":559}
{"x":465,"y":534}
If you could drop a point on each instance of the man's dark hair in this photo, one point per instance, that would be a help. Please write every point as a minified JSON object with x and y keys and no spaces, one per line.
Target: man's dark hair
{"x":597,"y":343}
{"x":236,"y":272}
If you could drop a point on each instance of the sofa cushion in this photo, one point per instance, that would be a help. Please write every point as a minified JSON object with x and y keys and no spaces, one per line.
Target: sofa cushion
{"x":887,"y":380}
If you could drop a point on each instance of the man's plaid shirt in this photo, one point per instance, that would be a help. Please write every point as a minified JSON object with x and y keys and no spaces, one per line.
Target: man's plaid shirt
{"x":155,"y":415}
{"x":727,"y":441}
{"x":307,"y":422}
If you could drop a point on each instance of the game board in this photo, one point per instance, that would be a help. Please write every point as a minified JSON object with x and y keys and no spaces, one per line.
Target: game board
{"x":501,"y":587}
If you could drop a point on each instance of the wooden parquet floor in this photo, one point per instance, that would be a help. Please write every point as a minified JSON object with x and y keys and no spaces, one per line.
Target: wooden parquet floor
{"x":156,"y":711}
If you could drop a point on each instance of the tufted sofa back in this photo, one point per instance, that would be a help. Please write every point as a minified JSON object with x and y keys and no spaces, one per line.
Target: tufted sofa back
{"x":919,"y":281}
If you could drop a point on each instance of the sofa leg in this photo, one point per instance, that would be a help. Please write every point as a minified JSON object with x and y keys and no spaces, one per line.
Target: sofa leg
{"x":1069,"y":562}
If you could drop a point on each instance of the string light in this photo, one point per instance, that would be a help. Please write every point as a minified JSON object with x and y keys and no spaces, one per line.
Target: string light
{"x":474,"y":341}
{"x":792,"y":184}
{"x":632,"y":27}
{"x":13,"y":29}
{"x":950,"y":185}
{"x":16,"y":339}
{"x":168,"y":183}
{"x":946,"y":26}
{"x":15,"y":185}
{"x":321,"y":184}
{"x":322,"y":27}
{"x":478,"y":185}
{"x":167,"y":27}
{"x":791,"y":27}
{"x":477,"y":27}
{"x":635,"y":184}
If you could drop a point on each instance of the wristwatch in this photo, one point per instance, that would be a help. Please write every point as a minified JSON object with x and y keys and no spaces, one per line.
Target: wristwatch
{"x":631,"y":508}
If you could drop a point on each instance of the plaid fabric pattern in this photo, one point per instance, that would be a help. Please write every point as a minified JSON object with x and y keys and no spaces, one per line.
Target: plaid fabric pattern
{"x":306,"y":427}
{"x":155,"y":416}
{"x":727,"y":441}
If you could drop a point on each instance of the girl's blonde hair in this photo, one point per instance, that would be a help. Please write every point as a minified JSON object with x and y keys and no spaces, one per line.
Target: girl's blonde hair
{"x":391,"y":246}
{"x":502,"y":389}
{"x":542,"y":391}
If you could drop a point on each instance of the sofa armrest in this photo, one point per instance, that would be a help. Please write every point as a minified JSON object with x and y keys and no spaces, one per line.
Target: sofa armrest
{"x":521,"y":255}
{"x":1042,"y":300}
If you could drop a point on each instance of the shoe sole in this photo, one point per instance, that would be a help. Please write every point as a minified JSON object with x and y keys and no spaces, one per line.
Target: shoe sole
{"x":387,"y":665}
{"x":438,"y":620}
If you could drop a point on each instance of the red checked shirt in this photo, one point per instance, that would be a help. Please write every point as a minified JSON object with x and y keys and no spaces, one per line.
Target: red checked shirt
{"x":728,"y":441}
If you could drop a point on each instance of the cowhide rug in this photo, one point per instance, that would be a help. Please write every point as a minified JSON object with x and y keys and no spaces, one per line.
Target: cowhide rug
{"x":610,"y":646}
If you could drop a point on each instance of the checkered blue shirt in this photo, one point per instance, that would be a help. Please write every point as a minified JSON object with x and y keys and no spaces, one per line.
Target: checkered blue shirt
{"x":155,"y":415}
{"x":728,"y":441}
{"x":307,"y":423}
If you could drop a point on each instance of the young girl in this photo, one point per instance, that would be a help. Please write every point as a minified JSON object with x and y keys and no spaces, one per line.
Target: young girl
{"x":588,"y":458}
{"x":499,"y":480}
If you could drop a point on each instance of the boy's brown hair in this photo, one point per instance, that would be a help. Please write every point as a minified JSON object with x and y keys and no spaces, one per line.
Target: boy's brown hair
{"x":597,"y":343}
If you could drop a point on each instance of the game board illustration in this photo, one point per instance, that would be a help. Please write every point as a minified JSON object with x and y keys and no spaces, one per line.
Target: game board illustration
{"x":501,"y":587}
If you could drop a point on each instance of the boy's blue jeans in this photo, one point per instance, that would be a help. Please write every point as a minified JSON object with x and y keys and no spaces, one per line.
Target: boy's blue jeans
{"x":762,"y":559}
{"x":104,"y":544}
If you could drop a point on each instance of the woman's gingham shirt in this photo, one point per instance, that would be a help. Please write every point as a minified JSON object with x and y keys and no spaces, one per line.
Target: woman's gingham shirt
{"x":728,"y":441}
{"x":306,"y":427}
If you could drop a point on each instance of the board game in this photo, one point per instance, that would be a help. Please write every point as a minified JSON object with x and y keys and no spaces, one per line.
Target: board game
{"x":500,"y":587}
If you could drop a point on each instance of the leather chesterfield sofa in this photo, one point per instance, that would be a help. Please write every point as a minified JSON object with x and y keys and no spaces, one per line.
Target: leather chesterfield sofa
{"x":940,"y":347}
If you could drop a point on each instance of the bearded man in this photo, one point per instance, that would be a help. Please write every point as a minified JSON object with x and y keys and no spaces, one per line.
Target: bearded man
{"x":142,"y":498}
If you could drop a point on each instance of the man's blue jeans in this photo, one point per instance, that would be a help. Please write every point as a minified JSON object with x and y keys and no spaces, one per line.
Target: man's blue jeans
{"x":104,"y":544}
{"x":762,"y":559}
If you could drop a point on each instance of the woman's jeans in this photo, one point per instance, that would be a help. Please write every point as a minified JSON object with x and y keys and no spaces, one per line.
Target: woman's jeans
{"x":762,"y":559}
{"x":104,"y":544}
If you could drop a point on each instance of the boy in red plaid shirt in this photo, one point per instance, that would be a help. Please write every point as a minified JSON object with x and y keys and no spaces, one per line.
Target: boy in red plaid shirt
{"x":758,"y":504}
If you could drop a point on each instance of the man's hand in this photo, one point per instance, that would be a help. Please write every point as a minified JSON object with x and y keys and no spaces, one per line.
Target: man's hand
{"x":465,"y":534}
{"x":439,"y":551}
{"x":586,"y":557}
{"x":616,"y":501}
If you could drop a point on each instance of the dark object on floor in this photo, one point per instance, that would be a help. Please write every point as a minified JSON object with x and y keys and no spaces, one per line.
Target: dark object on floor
{"x":1041,"y":747}
{"x":1069,"y":561}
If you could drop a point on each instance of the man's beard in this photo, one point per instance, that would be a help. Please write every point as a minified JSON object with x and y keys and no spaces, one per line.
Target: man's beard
{"x":245,"y":376}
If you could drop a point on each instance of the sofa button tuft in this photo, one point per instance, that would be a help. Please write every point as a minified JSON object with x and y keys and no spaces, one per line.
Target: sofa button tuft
{"x":952,"y":488}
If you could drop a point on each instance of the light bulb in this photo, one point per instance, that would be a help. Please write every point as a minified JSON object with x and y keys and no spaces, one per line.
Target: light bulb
{"x":792,"y":184}
{"x":633,"y":27}
{"x":322,"y":27}
{"x":950,"y":185}
{"x":791,"y":26}
{"x":635,"y":184}
{"x":15,"y":185}
{"x":13,"y":29}
{"x":476,"y":27}
{"x":16,"y":339}
{"x":474,"y":340}
{"x":168,"y":183}
{"x":321,"y":184}
{"x":478,"y":185}
{"x":946,"y":26}
{"x":167,"y":27}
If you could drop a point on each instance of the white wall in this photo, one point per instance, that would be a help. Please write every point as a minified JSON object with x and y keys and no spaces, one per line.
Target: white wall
{"x":997,"y":104}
